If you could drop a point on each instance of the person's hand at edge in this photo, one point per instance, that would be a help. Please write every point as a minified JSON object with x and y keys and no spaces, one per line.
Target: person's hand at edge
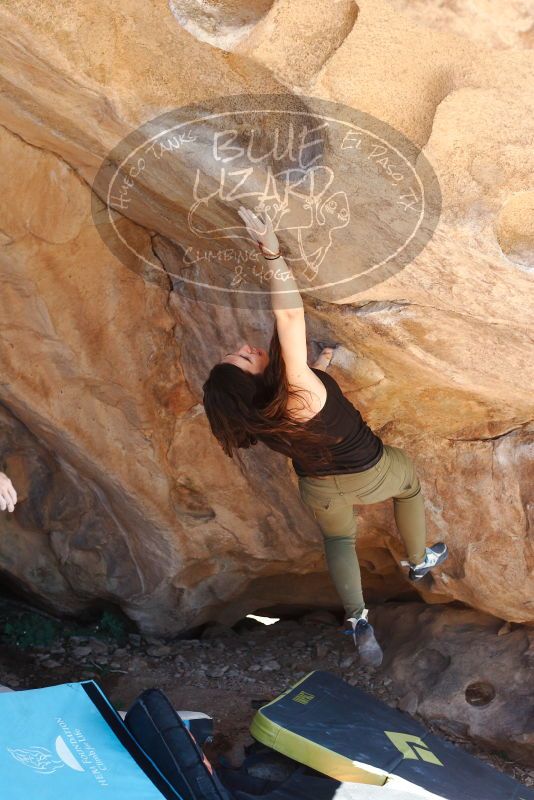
{"x":8,"y":495}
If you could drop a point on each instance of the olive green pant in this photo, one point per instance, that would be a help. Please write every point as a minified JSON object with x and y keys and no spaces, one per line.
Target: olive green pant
{"x":332,"y":500}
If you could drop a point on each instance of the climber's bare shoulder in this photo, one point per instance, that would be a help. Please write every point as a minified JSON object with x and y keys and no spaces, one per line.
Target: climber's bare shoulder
{"x":311,"y":394}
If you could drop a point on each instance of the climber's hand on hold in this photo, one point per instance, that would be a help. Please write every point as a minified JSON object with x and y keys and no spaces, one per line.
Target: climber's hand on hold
{"x":8,"y":495}
{"x":327,"y":353}
{"x":324,"y":358}
{"x":260,"y":229}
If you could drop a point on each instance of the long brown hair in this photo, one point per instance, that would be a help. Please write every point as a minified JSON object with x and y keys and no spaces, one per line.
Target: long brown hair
{"x":244,"y":408}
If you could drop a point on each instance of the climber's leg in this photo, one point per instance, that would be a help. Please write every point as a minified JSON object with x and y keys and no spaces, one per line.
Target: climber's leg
{"x":339,"y":540}
{"x":409,"y":511}
{"x":393,"y":476}
{"x":338,"y":526}
{"x":337,"y":521}
{"x":409,"y":507}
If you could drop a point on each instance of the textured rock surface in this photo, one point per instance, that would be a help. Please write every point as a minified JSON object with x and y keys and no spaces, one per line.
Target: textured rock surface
{"x":507,"y":25}
{"x":466,"y":672}
{"x":127,"y":497}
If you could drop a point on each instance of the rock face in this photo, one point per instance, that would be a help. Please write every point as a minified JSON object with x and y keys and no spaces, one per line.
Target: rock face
{"x":125,"y":497}
{"x":464,"y":671}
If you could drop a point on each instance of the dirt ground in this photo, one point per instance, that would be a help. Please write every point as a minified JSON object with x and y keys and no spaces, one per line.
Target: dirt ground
{"x":227,"y":673}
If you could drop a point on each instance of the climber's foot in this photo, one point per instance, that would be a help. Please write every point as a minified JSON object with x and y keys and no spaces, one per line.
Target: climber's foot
{"x":364,"y":638}
{"x":434,"y":555}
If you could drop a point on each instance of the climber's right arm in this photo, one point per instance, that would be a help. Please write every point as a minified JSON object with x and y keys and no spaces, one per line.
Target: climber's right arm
{"x":287,"y":305}
{"x":291,"y":327}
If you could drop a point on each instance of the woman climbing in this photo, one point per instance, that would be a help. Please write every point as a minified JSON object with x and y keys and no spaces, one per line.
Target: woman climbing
{"x":298,"y":410}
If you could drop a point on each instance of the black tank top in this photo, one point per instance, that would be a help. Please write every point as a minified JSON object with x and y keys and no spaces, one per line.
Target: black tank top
{"x":359,"y":448}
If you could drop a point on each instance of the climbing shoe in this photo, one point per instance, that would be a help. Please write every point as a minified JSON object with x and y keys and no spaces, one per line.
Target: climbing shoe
{"x":434,"y":555}
{"x":363,"y":634}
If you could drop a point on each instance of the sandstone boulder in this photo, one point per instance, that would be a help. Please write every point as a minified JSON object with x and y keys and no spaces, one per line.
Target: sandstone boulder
{"x":125,"y":496}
